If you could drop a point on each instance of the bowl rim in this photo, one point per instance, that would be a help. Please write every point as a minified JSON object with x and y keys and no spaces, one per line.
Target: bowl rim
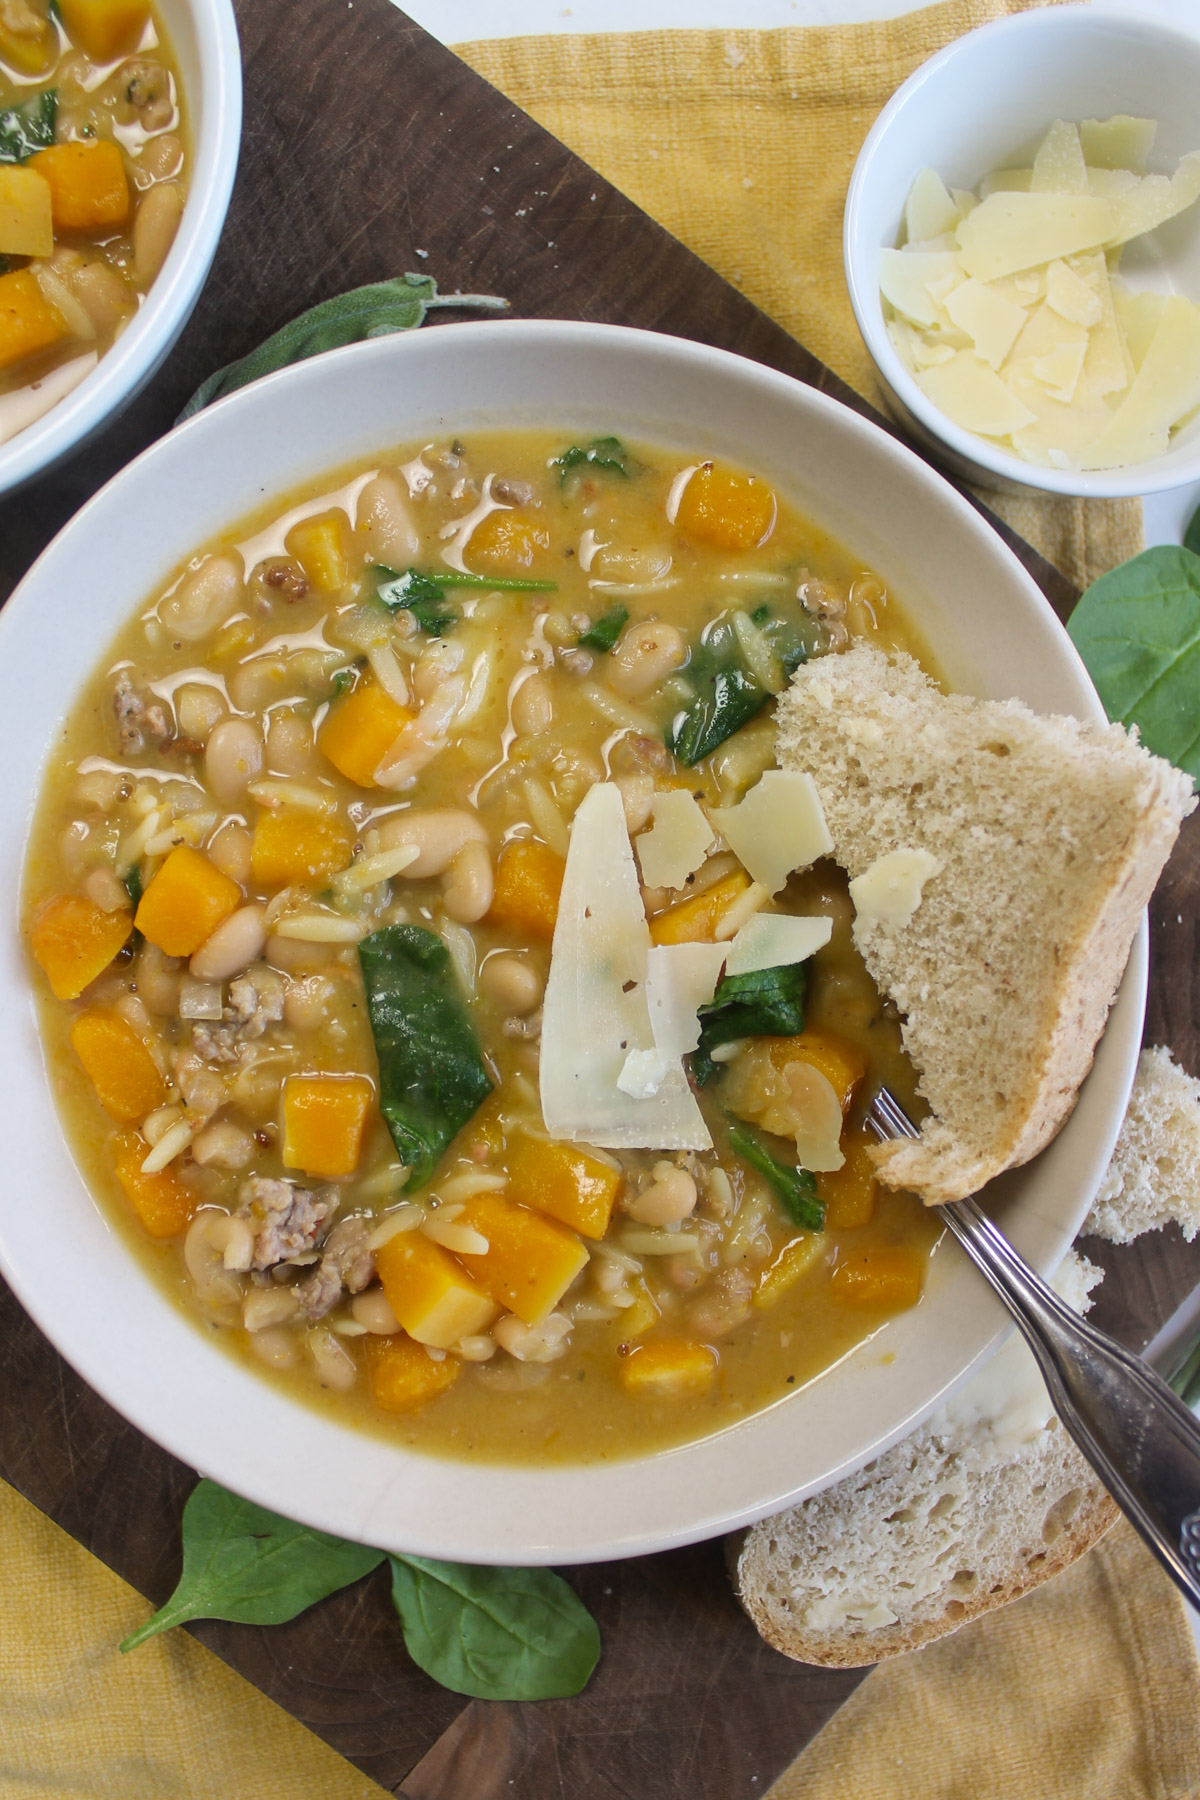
{"x":970,"y":454}
{"x":252,"y":1445}
{"x":140,"y":350}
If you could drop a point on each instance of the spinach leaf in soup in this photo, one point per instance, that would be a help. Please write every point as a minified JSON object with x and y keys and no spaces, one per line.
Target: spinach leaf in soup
{"x":1138,"y":631}
{"x":763,"y":1003}
{"x":604,"y":633}
{"x":740,"y":662}
{"x":431,"y":1071}
{"x":796,"y":1189}
{"x":28,"y":128}
{"x":496,"y":1634}
{"x":244,"y":1563}
{"x":423,"y":593}
{"x":605,"y":456}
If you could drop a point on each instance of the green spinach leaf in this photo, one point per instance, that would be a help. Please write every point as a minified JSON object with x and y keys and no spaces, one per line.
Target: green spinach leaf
{"x":606,"y":455}
{"x":607,"y":629}
{"x":1138,"y":631}
{"x":496,"y":1634}
{"x":243,"y":1563}
{"x":796,"y":1188}
{"x":418,"y":594}
{"x":431,"y":1073}
{"x":377,"y":310}
{"x":133,"y":885}
{"x":726,"y":694}
{"x":29,"y":127}
{"x":765,"y":1003}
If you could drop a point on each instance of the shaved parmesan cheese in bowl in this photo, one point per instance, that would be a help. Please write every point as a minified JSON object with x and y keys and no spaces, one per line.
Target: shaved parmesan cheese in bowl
{"x":1022,"y":250}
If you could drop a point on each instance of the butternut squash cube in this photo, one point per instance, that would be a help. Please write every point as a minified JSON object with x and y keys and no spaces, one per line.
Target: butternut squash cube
{"x":566,"y":1182}
{"x":849,"y":1193}
{"x":28,"y":41}
{"x":404,"y":1376}
{"x":530,"y":1260}
{"x":529,"y":878}
{"x":668,"y":1368}
{"x":74,"y":941}
{"x":88,"y":189}
{"x":725,"y":509}
{"x":319,"y":546}
{"x":28,"y":322}
{"x":695,"y":921}
{"x":634,"y":1321}
{"x":796,"y":1257}
{"x":886,"y":1278}
{"x":298,"y":846}
{"x":185,"y":902}
{"x":162,"y":1202}
{"x":105,"y":29}
{"x":26,"y":219}
{"x":841,"y":1064}
{"x":360,"y":729}
{"x":430,"y":1295}
{"x":507,"y":543}
{"x":121,"y":1069}
{"x":324,"y":1117}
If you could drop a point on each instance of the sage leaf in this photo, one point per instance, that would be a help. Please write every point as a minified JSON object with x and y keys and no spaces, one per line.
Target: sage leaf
{"x":1138,"y":632}
{"x":29,"y":127}
{"x":243,"y":1563}
{"x":762,"y":1003}
{"x":605,"y":455}
{"x":377,"y":310}
{"x":795,"y":1188}
{"x":495,"y":1634}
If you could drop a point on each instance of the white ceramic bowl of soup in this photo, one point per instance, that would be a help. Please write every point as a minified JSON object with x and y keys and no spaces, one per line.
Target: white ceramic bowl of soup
{"x":203,"y":36}
{"x":984,"y":103}
{"x":992,"y":633}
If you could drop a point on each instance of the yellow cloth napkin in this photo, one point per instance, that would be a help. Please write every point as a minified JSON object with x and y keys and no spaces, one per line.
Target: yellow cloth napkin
{"x":741,"y":143}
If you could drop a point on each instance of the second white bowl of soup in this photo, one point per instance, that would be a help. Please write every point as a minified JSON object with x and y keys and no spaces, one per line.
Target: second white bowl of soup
{"x":404,"y":616}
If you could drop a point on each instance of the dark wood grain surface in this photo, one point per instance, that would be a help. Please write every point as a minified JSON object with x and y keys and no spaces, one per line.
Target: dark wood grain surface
{"x":368,"y":150}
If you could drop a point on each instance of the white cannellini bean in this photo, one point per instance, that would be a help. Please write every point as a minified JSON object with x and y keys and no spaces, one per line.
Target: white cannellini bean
{"x":479,"y":1347}
{"x":544,"y":1342}
{"x":385,"y":521}
{"x":199,"y":709}
{"x":372,"y":1310}
{"x":159,"y":212}
{"x":223,"y":1144}
{"x":532,"y":706}
{"x":670,"y":1197}
{"x":438,"y":834}
{"x":276,"y":1346}
{"x":637,"y":798}
{"x":231,"y":850}
{"x":646,"y":655}
{"x":105,"y":891}
{"x":232,"y":947}
{"x":333,"y":1362}
{"x":204,"y":598}
{"x":233,"y":759}
{"x":470,"y":884}
{"x":267,"y":1307}
{"x":290,"y":748}
{"x":307,"y":1002}
{"x":513,"y":983}
{"x":213,"y":1238}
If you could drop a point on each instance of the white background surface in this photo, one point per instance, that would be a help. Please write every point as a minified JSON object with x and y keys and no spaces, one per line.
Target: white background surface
{"x":457,"y":21}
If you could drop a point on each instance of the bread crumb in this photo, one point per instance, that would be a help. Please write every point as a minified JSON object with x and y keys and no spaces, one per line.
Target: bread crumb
{"x":1154,"y":1176}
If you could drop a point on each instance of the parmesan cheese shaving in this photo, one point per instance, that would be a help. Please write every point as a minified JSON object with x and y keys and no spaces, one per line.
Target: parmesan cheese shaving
{"x":778,"y":828}
{"x":889,"y":892}
{"x":676,"y":843}
{"x":773,"y":940}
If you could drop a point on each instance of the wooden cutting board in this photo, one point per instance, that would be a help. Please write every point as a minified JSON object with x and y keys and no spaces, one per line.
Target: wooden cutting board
{"x":370,"y":150}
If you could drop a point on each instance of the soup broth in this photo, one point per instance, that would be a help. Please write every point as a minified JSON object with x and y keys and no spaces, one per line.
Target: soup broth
{"x":297,"y":884}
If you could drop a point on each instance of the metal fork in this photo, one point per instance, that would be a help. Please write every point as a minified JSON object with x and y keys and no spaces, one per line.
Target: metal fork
{"x":1142,"y":1441}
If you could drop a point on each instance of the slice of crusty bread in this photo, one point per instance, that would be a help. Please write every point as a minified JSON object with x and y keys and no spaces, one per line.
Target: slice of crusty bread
{"x":1050,"y":835}
{"x":982,"y":1503}
{"x":1154,"y":1175}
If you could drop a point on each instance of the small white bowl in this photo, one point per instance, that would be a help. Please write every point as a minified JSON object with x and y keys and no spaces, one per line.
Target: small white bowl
{"x":204,"y":36}
{"x":967,"y":596}
{"x":984,"y":103}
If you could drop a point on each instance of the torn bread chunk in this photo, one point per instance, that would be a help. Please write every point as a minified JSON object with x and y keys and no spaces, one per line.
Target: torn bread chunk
{"x":1050,"y":835}
{"x":1154,"y":1176}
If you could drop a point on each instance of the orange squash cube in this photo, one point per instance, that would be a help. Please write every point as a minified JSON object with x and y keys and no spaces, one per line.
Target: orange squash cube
{"x":359,"y":730}
{"x":849,"y":1193}
{"x":162,"y":1202}
{"x":529,"y":878}
{"x":298,"y":846}
{"x":28,"y":322}
{"x":73,"y":941}
{"x":566,"y":1182}
{"x":725,"y":509}
{"x":26,"y":218}
{"x":88,"y":189}
{"x":530,"y":1261}
{"x":634,"y":1321}
{"x":695,"y":921}
{"x":841,"y":1064}
{"x":668,"y":1368}
{"x":29,"y":43}
{"x":507,"y":543}
{"x":121,"y":1069}
{"x":324,"y":1117}
{"x":319,"y":546}
{"x":185,"y":902}
{"x":887,"y":1278}
{"x":427,"y":1290}
{"x":404,"y":1376}
{"x":105,"y":29}
{"x":797,"y":1256}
